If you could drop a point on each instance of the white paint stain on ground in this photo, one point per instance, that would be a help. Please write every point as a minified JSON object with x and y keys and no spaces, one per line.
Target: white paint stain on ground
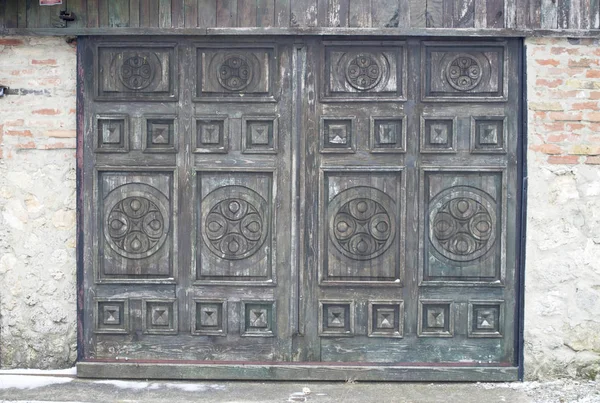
{"x":139,"y":385}
{"x":30,"y":371}
{"x":30,"y":382}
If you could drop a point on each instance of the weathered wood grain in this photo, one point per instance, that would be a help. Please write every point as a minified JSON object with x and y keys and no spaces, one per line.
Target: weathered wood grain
{"x":282,"y":13}
{"x":594,"y":14}
{"x":227,"y":13}
{"x":303,"y":13}
{"x":464,"y":13}
{"x":563,"y":13}
{"x":178,"y":13}
{"x":164,"y":14}
{"x":549,"y":14}
{"x":246,"y":13}
{"x":338,"y":13}
{"x":418,"y":11}
{"x":118,"y":13}
{"x":103,"y":13}
{"x":448,"y":13}
{"x":481,"y":13}
{"x":384,"y":13}
{"x":191,"y":13}
{"x":360,"y":13}
{"x":207,"y":13}
{"x":495,"y":14}
{"x":11,"y":14}
{"x":265,"y":13}
{"x":435,"y":13}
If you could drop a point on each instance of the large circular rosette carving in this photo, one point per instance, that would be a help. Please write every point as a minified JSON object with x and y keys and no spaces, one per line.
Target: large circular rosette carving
{"x":464,"y":72}
{"x":136,"y":220}
{"x":462,"y":223}
{"x":234,"y":222}
{"x":362,"y":223}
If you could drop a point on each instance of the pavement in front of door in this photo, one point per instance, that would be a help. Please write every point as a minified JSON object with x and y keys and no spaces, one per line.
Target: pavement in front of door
{"x":36,"y":386}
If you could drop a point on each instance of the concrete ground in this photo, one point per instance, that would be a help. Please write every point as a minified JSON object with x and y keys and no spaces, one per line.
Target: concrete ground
{"x":37,"y":386}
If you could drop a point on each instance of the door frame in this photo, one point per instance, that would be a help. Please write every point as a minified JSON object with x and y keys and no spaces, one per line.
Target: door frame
{"x":305,"y":370}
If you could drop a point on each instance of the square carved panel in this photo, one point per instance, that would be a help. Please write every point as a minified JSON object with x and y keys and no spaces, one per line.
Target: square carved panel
{"x":336,"y":318}
{"x":488,"y":134}
{"x":435,"y":318}
{"x":362,"y":72}
{"x":386,"y":319}
{"x":159,"y":134}
{"x":259,"y":134}
{"x":111,"y":315}
{"x":337,"y":135}
{"x":112,"y":134}
{"x":159,"y":316}
{"x":258,"y":318}
{"x":486,"y":318}
{"x":137,"y":72}
{"x":438,"y":134}
{"x":211,"y":134}
{"x":388,"y":134}
{"x":464,"y":73}
{"x":210,"y":317}
{"x":236,"y":74}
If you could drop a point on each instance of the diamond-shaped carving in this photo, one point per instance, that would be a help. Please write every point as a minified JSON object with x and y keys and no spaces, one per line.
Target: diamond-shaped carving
{"x":112,"y":314}
{"x":336,"y":135}
{"x":435,"y":318}
{"x":211,"y":135}
{"x":112,"y":134}
{"x":487,"y":134}
{"x":388,"y":132}
{"x":437,"y":134}
{"x":386,"y":318}
{"x":336,"y":318}
{"x":258,"y":319}
{"x":485,"y":318}
{"x":160,"y":316}
{"x":209,"y":318}
{"x":209,"y":315}
{"x":160,"y":135}
{"x":259,"y":134}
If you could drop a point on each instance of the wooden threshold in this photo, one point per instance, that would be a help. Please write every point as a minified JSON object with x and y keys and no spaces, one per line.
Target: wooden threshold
{"x":298,"y":372}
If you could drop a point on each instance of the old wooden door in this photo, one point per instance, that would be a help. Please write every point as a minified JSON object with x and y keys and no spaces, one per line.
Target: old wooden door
{"x":277,"y":202}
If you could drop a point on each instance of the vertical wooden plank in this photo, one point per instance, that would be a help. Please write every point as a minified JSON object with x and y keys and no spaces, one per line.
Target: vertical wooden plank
{"x":191,"y":13}
{"x":435,"y":14}
{"x":282,"y":13}
{"x":177,"y":13}
{"x":153,"y":13}
{"x":480,"y":18}
{"x":418,"y":10}
{"x":164,"y":13}
{"x":494,"y":14}
{"x":360,"y":13}
{"x":22,"y":14}
{"x":564,"y":7}
{"x":118,"y":13}
{"x":595,"y":14}
{"x":384,"y":13}
{"x":510,"y":20}
{"x":79,"y":8}
{"x":32,"y":13}
{"x":549,"y":15}
{"x":575,"y":14}
{"x":207,"y":13}
{"x":403,"y":14}
{"x":246,"y":13}
{"x":322,"y":13}
{"x":535,"y":14}
{"x":304,"y":13}
{"x":2,"y":13}
{"x":585,"y":14}
{"x":103,"y":13}
{"x":227,"y":13}
{"x":464,"y":13}
{"x":48,"y":16}
{"x":11,"y":14}
{"x":448,"y":14}
{"x":338,"y":13}
{"x":134,"y":13}
{"x":144,"y":13}
{"x":265,"y":13}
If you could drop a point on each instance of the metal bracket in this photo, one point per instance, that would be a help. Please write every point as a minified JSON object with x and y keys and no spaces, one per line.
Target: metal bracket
{"x":67,"y":15}
{"x":3,"y":90}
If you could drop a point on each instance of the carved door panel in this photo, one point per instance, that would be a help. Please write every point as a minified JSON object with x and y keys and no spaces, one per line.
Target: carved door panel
{"x":412,"y":164}
{"x":186,"y":187}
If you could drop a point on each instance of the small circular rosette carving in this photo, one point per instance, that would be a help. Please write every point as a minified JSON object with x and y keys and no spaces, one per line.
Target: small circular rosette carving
{"x":136,"y":222}
{"x":136,"y":72}
{"x":364,"y":71}
{"x":462,"y":223}
{"x":236,"y":222}
{"x":362,"y":223}
{"x":464,"y":72}
{"x":235,"y":72}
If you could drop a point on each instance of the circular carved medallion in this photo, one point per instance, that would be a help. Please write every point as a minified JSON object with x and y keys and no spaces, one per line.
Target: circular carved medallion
{"x":464,"y":72}
{"x":137,"y":222}
{"x":462,"y":223}
{"x":235,"y":73}
{"x":362,"y":224}
{"x":136,"y":72}
{"x":363,"y":72}
{"x":236,"y":225}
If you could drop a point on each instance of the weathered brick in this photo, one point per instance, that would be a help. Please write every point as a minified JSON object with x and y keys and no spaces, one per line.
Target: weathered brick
{"x":565,"y":116}
{"x":10,"y":42}
{"x":547,"y":62}
{"x":61,"y":133}
{"x":593,"y":160}
{"x":584,"y":62}
{"x":44,"y":62}
{"x":19,"y":133}
{"x":593,"y":116}
{"x":563,"y":159}
{"x":549,"y":83}
{"x":585,"y":105}
{"x":584,"y":149}
{"x":559,"y":50}
{"x":592,"y":74}
{"x":46,"y":111}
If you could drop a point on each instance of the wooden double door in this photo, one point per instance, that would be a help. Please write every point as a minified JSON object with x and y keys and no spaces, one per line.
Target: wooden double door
{"x":291,"y":207}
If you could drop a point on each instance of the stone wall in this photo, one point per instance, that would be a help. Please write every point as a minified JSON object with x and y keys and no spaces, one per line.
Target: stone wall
{"x":562,"y":297}
{"x":37,"y":206}
{"x":37,"y":203}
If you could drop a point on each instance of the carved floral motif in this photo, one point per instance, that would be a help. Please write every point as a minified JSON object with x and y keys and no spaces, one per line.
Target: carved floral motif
{"x":235,"y":73}
{"x":136,"y":72}
{"x":463,"y":72}
{"x":364,"y":72}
